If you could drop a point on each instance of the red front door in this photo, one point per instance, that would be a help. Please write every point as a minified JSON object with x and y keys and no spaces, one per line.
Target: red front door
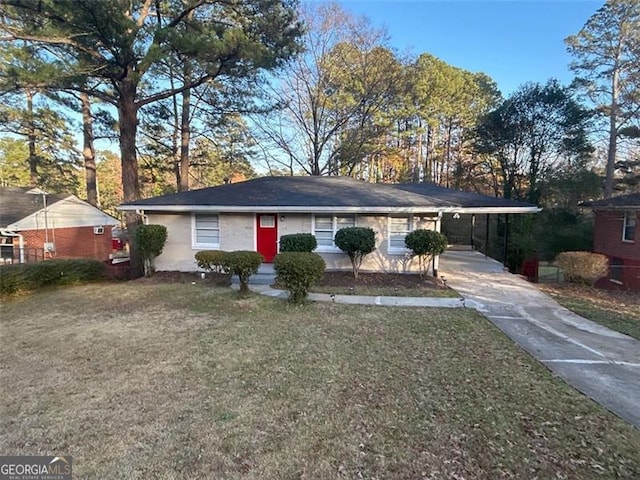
{"x":267,"y":235}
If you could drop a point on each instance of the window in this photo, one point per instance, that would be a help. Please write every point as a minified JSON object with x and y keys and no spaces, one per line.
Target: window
{"x":629,"y":227}
{"x":399,"y":227}
{"x":206,"y":230}
{"x":326,"y":226}
{"x":267,"y":221}
{"x":615,"y":270}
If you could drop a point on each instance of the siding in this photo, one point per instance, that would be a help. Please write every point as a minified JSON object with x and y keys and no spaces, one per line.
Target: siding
{"x":237,"y":232}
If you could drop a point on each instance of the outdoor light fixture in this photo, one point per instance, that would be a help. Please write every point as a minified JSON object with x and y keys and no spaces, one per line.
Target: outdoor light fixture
{"x":282,"y":218}
{"x":456,"y":216}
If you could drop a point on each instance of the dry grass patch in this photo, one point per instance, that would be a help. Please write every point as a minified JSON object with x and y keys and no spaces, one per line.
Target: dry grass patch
{"x":187,"y":381}
{"x":617,"y":310}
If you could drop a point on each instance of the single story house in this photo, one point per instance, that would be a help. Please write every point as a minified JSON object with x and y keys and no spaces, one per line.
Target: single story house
{"x":35,"y":225}
{"x":254,"y":214}
{"x":616,"y":235}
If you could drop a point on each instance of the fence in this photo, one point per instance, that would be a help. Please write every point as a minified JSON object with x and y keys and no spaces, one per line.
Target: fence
{"x":10,"y":254}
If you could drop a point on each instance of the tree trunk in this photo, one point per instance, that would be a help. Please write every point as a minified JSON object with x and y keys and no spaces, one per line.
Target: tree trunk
{"x":185,"y":138}
{"x":31,"y":140}
{"x":613,"y":135}
{"x":128,"y":118}
{"x":88,"y":151}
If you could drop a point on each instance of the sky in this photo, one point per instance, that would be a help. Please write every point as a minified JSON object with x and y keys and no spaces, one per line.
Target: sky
{"x":513,"y":42}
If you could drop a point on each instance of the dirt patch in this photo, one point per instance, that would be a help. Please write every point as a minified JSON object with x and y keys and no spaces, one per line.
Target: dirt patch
{"x":615,"y":300}
{"x":217,"y":279}
{"x":398,"y":280}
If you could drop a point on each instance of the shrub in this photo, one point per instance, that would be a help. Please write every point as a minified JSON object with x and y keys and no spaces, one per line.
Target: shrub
{"x":149,"y":241}
{"x":242,"y":263}
{"x":297,"y":271}
{"x":32,"y":276}
{"x":357,"y":242}
{"x":424,"y":244}
{"x":212,"y":261}
{"x":298,"y":242}
{"x":582,"y":267}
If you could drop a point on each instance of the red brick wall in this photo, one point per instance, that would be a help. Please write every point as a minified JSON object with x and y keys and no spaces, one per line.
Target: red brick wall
{"x":76,"y":242}
{"x":607,"y":239}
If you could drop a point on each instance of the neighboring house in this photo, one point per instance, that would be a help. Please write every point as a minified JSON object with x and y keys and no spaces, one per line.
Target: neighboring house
{"x":36,"y":226}
{"x":254,"y":214}
{"x":616,"y":234}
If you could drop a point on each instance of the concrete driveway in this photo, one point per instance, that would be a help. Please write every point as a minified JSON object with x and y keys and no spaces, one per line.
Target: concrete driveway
{"x":601,"y":363}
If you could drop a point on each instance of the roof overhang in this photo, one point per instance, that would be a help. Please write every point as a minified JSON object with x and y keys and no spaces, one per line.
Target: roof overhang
{"x":307,"y":209}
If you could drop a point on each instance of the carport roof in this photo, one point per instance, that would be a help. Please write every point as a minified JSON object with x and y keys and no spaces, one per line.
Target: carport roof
{"x":327,"y":194}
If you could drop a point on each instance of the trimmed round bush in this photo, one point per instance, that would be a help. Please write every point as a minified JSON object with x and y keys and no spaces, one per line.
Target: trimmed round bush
{"x":297,"y":271}
{"x":212,"y":261}
{"x":298,"y":242}
{"x":424,"y":244}
{"x":357,"y":243}
{"x":242,"y":263}
{"x":582,"y":267}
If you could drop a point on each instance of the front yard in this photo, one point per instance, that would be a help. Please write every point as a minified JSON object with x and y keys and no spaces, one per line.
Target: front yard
{"x":143,"y":380}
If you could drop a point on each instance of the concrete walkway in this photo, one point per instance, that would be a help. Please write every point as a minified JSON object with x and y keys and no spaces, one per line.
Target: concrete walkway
{"x":601,"y":363}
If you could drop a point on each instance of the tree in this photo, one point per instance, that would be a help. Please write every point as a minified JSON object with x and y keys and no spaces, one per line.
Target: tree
{"x":327,"y":92}
{"x":606,"y":60}
{"x":425,"y":244}
{"x":537,"y":129}
{"x":110,"y":47}
{"x":357,"y":243}
{"x":149,"y":241}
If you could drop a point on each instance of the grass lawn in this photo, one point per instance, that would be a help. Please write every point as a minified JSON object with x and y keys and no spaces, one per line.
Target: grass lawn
{"x":143,"y":380}
{"x":619,"y":311}
{"x":376,"y":290}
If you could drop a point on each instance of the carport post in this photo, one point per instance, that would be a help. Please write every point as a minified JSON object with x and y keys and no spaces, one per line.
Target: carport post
{"x":486,"y":237}
{"x":506,"y":238}
{"x":473,"y":226}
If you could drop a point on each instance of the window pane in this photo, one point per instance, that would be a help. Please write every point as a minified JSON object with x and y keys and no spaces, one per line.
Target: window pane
{"x":324,"y":223}
{"x":324,"y":239}
{"x":343,"y":222}
{"x":397,"y":241}
{"x":267,"y":221}
{"x":399,"y":224}
{"x":207,"y":236}
{"x":207,"y":221}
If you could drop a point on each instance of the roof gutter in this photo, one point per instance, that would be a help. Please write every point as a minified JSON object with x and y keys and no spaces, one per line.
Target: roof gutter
{"x":307,"y":209}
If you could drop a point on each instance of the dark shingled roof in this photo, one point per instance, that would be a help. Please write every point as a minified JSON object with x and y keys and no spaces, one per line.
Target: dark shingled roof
{"x":459,"y":198}
{"x":621,"y":201}
{"x":318,"y":192}
{"x":16,"y":203}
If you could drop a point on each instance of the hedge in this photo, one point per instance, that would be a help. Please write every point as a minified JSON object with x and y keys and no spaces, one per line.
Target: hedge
{"x":298,"y":242}
{"x":357,"y":243}
{"x":33,"y":276}
{"x":242,"y":263}
{"x":424,"y":244}
{"x":297,"y":271}
{"x":212,"y":261}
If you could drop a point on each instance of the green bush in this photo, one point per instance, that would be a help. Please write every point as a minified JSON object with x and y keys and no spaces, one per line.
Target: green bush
{"x":298,"y":242}
{"x":149,"y":241}
{"x":242,"y":263}
{"x":582,"y":267}
{"x":357,"y":242}
{"x":297,"y":271}
{"x":32,"y":276}
{"x":424,"y":244}
{"x":212,"y":261}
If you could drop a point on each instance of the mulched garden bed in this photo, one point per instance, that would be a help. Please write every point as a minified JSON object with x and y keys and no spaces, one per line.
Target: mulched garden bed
{"x":399,"y":280}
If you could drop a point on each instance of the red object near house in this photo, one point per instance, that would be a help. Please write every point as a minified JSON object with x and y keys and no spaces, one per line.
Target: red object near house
{"x":116,"y":244}
{"x":617,"y":235}
{"x":267,"y":235}
{"x":530,"y":269}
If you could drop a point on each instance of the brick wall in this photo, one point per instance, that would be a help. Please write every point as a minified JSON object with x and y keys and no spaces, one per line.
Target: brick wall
{"x":76,"y":242}
{"x":607,"y":239}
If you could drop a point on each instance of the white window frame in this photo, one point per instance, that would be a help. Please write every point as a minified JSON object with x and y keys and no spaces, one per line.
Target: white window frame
{"x":396,"y":250}
{"x":194,"y":238}
{"x":628,"y":218}
{"x":334,"y":230}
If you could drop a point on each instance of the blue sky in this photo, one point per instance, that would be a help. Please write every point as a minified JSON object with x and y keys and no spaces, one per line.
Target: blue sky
{"x":511,"y":41}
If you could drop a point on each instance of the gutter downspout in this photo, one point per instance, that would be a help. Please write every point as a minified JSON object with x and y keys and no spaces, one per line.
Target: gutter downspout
{"x":7,"y":233}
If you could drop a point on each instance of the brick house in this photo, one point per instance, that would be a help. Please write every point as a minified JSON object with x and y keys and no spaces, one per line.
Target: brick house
{"x":616,"y":235}
{"x":36,"y":226}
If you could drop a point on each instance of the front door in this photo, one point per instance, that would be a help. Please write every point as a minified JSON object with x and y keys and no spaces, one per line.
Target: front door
{"x":267,"y":235}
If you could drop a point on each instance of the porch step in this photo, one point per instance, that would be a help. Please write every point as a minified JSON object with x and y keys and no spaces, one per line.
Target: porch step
{"x":260,"y":278}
